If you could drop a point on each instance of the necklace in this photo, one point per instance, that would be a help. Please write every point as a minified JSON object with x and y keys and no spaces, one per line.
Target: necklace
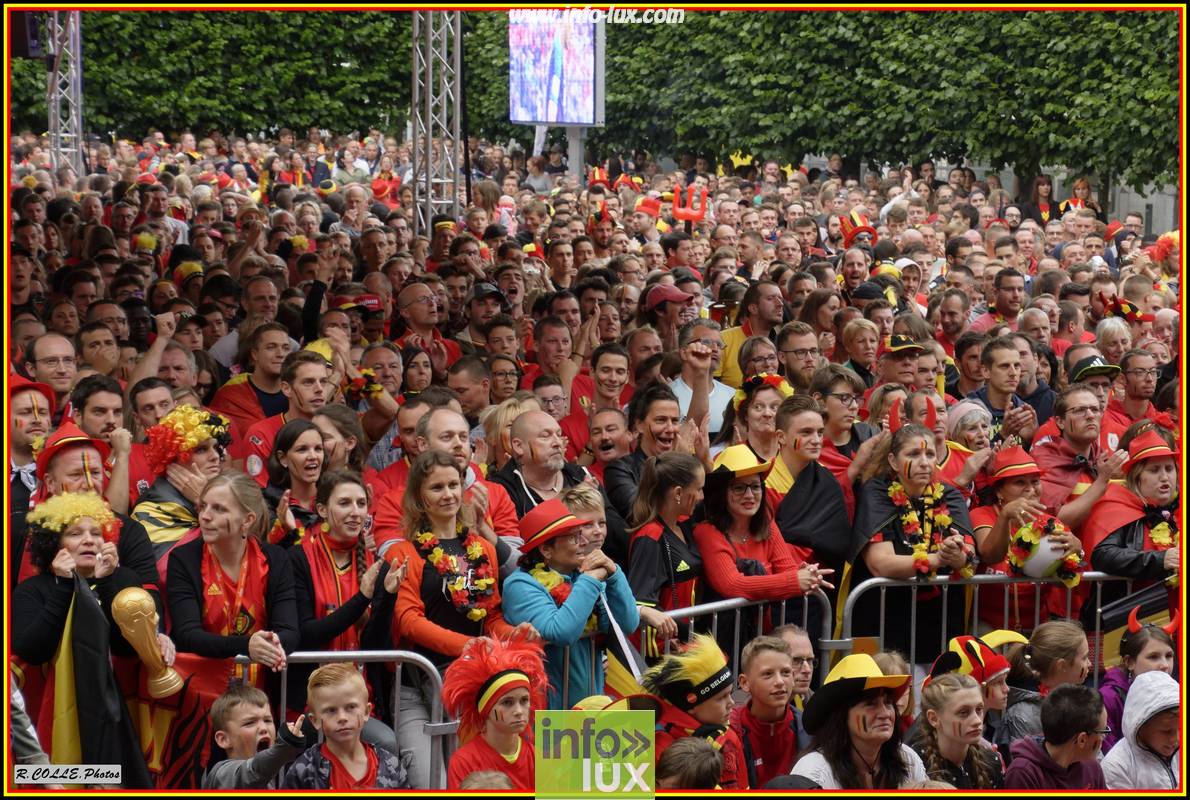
{"x":471,"y":592}
{"x":871,"y":768}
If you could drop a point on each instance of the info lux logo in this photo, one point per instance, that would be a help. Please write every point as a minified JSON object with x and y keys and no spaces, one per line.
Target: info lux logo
{"x":595,"y":752}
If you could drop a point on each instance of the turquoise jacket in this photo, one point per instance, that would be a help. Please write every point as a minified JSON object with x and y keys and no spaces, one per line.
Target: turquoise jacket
{"x":526,"y":600}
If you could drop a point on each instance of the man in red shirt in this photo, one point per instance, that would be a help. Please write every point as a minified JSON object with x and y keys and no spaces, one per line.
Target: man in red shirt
{"x":304,"y":383}
{"x":1010,"y":296}
{"x":953,"y":313}
{"x":418,"y":306}
{"x":609,"y":366}
{"x":1140,"y":372}
{"x":251,"y":396}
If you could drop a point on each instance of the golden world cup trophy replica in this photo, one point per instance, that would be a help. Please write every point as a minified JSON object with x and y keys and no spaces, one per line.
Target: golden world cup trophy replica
{"x":135,"y":612}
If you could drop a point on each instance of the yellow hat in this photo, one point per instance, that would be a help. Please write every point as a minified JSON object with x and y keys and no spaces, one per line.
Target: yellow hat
{"x":738,"y":461}
{"x":850,"y":678}
{"x":322,"y":347}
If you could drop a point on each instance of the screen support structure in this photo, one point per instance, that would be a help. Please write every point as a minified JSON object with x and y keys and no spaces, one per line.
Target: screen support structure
{"x":64,"y":89}
{"x":575,"y":142}
{"x":437,"y":115}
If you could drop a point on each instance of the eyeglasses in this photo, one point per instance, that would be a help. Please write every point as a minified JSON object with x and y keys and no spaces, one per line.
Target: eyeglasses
{"x":576,"y":538}
{"x":846,"y":398}
{"x":741,"y":489}
{"x":425,"y":300}
{"x":505,"y":375}
{"x":803,"y":352}
{"x":1143,"y":373}
{"x":1105,"y":731}
{"x":799,"y":662}
{"x":714,"y":344}
{"x":1082,"y":411}
{"x":60,"y":361}
{"x":769,"y":359}
{"x":551,"y":401}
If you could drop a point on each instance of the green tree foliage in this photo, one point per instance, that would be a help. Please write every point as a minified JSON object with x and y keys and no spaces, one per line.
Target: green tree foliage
{"x":235,"y":71}
{"x":1096,"y":91}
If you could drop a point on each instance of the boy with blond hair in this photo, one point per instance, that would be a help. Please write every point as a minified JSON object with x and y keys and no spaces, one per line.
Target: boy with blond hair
{"x":339,"y":707}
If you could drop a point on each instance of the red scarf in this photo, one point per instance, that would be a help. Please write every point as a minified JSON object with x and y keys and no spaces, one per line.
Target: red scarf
{"x":334,"y":586}
{"x":235,"y":608}
{"x":341,"y":779}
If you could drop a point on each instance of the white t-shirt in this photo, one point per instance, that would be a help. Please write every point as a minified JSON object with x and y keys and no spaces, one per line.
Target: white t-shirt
{"x":814,"y":767}
{"x":721,"y":397}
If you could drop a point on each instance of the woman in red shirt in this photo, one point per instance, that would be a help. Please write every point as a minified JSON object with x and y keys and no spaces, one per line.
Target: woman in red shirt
{"x":744,"y":555}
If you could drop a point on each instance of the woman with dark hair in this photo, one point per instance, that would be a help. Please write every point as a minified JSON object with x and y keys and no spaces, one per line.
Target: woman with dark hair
{"x":346,"y":171}
{"x":664,"y":565}
{"x":909,"y":524}
{"x":654,"y":415}
{"x":743,"y":552}
{"x":857,"y":741}
{"x":1041,"y":207}
{"x":345,"y":595}
{"x":295,"y":465}
{"x":80,"y":577}
{"x":819,"y":312}
{"x":419,"y":372}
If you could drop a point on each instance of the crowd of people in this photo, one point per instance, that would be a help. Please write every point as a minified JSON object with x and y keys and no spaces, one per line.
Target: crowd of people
{"x":247,"y":382}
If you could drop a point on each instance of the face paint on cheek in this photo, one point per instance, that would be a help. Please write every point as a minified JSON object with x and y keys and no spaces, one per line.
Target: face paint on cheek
{"x":797,"y":443}
{"x":87,"y":471}
{"x":863,"y":723}
{"x":956,"y":730}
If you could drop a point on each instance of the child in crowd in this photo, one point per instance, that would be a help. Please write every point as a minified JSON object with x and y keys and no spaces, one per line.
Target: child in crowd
{"x":768,"y":726}
{"x":1143,"y":648}
{"x":493,"y":689}
{"x":1146,"y":756}
{"x":1073,"y":724}
{"x":339,"y":707}
{"x":1057,"y":653}
{"x":695,"y":687}
{"x":689,"y":763}
{"x":950,"y":744}
{"x":892,"y":662}
{"x":243,"y":726}
{"x":487,"y":779}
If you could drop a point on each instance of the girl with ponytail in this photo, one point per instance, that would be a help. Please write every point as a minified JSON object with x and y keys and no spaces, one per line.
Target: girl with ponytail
{"x":951,"y":728}
{"x":345,"y":595}
{"x":1057,"y":653}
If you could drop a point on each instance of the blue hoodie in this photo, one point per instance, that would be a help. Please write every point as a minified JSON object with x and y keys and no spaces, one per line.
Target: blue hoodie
{"x":526,"y":600}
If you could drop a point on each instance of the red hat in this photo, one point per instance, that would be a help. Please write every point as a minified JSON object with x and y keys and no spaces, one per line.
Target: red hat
{"x":997,"y":220}
{"x":380,"y":188}
{"x":67,"y":436}
{"x":853,"y":224}
{"x":598,"y":177}
{"x":207,"y":178}
{"x":650,"y":206}
{"x":975,"y":656}
{"x":365,"y":302}
{"x":19,"y":383}
{"x":626,"y":181}
{"x":546,"y":522}
{"x":146,"y":178}
{"x":1149,"y":445}
{"x":663,"y":293}
{"x":1113,"y":227}
{"x":223,"y":180}
{"x":1013,"y":462}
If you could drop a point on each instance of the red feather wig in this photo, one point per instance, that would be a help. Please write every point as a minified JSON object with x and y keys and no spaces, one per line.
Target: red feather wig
{"x":487,"y":670}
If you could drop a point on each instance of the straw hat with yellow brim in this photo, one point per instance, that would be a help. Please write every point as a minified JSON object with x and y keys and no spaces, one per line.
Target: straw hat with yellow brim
{"x":546,"y":522}
{"x":1013,"y":462}
{"x":850,"y":678}
{"x":738,"y":461}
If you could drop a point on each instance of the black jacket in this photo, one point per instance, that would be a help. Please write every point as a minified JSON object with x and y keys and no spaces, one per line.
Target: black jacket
{"x":525,"y":500}
{"x":621,"y":479}
{"x":185,"y":593}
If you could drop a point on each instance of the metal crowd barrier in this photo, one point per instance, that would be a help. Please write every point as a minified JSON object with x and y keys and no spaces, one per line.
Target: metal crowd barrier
{"x":736,"y":606}
{"x":439,"y":729}
{"x":846,"y":641}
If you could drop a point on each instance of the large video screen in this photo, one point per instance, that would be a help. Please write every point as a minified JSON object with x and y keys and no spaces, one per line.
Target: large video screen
{"x":553,"y":65}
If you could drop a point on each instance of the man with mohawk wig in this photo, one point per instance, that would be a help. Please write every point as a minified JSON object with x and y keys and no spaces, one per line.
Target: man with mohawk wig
{"x":493,"y":689}
{"x":694,"y":686}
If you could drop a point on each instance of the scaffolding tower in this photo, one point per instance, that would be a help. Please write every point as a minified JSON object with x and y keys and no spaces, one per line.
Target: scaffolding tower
{"x":64,"y":89}
{"x":437,"y":113}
